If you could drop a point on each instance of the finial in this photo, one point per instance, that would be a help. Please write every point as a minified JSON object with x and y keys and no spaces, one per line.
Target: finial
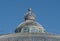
{"x":29,"y":15}
{"x":29,"y":9}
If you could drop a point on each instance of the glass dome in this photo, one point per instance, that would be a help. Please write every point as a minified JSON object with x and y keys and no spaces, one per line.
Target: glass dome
{"x":30,"y":25}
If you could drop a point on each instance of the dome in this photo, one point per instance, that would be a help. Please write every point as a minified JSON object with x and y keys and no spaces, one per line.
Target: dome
{"x":30,"y":25}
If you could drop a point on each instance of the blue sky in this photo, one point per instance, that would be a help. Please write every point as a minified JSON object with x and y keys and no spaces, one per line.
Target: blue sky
{"x":12,"y":14}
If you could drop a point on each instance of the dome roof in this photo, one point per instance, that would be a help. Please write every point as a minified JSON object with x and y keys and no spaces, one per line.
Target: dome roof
{"x":30,"y":25}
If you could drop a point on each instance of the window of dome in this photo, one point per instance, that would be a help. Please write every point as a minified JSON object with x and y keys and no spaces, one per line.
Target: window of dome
{"x":34,"y":29}
{"x":25,"y":29}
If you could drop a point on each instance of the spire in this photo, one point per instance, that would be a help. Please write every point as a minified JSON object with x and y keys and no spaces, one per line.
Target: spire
{"x":29,"y":15}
